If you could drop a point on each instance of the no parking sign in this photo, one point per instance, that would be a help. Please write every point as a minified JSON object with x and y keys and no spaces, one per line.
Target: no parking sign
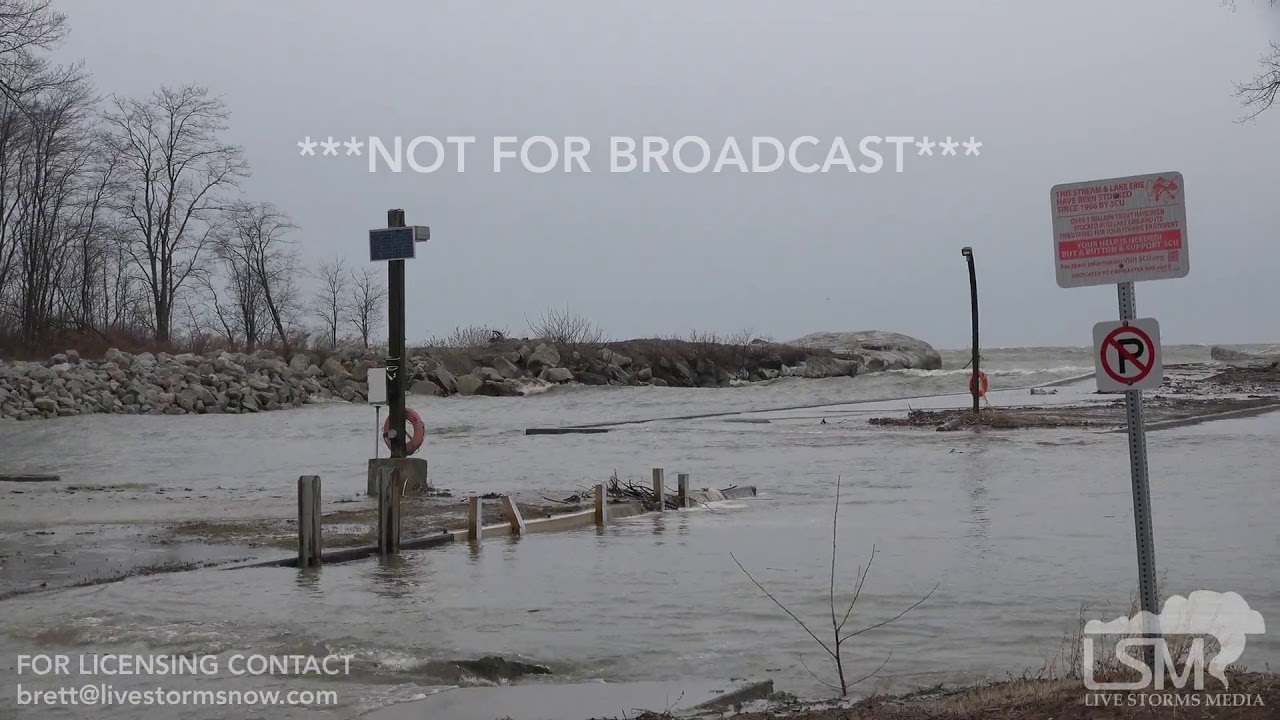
{"x":1126,"y":355}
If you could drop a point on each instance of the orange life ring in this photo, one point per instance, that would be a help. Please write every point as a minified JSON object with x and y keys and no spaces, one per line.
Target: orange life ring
{"x":982,"y":382}
{"x":413,"y":443}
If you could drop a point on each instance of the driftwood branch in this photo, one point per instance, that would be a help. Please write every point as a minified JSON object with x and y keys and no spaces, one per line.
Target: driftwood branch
{"x":838,"y":622}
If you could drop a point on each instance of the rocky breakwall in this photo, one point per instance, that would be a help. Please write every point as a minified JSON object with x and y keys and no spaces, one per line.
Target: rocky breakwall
{"x":225,"y":382}
{"x":163,"y":384}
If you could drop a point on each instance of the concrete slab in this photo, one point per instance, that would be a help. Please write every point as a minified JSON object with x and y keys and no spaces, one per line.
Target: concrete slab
{"x":557,"y":702}
{"x":710,"y":495}
{"x":558,"y":523}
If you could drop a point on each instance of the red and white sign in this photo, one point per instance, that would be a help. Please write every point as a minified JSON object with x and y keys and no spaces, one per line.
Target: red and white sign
{"x":1127,"y":355}
{"x":1120,"y":230}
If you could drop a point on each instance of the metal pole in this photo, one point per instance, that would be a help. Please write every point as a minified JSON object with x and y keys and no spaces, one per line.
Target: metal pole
{"x":377,"y":430}
{"x":395,"y":345}
{"x":973,"y":306}
{"x":1141,"y":488}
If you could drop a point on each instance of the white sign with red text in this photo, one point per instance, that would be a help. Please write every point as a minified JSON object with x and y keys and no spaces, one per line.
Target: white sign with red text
{"x":1120,"y":230}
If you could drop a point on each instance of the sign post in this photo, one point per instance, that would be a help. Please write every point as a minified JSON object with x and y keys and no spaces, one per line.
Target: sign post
{"x":377,"y":397}
{"x":394,"y":244}
{"x":1121,"y":231}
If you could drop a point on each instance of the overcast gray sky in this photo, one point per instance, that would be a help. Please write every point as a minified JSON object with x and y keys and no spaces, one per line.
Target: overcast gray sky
{"x":1056,"y":92}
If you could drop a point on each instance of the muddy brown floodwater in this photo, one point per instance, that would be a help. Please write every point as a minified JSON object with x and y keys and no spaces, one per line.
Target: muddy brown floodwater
{"x":1018,"y":529}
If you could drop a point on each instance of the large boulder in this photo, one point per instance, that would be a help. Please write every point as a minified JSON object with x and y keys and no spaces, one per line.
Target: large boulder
{"x":469,"y":384}
{"x":441,"y":376}
{"x":615,"y":358}
{"x":489,"y":374}
{"x":333,"y":368}
{"x":556,"y":375}
{"x":503,"y":388}
{"x":506,"y":368}
{"x":876,"y":349}
{"x":825,"y":367}
{"x":425,"y":387}
{"x":543,"y":356}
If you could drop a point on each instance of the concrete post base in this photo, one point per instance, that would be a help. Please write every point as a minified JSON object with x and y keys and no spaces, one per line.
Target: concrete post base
{"x":413,"y":474}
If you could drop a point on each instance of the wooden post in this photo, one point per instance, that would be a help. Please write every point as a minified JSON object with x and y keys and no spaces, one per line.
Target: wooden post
{"x":309,"y":521}
{"x":682,"y":489}
{"x":659,"y":489}
{"x":602,"y":508}
{"x":475,"y":519}
{"x":512,"y":514}
{"x":389,"y":511}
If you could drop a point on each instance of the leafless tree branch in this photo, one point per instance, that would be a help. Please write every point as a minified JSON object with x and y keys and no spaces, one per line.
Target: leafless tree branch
{"x":837,"y":624}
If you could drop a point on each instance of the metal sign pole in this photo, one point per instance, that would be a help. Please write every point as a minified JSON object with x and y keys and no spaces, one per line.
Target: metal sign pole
{"x":1141,"y":487}
{"x":377,"y":429}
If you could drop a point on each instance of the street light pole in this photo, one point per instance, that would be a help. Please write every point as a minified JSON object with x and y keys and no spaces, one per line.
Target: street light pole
{"x":974,"y":383}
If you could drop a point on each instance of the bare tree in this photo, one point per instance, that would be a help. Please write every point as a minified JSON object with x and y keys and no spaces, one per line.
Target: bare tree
{"x":173,"y":168}
{"x":28,"y":29}
{"x":43,"y":153}
{"x":230,"y":321}
{"x":56,"y":154}
{"x":368,"y":302}
{"x":256,"y":240}
{"x":330,"y":298}
{"x":838,"y":621}
{"x":1259,"y":94}
{"x":97,"y":231}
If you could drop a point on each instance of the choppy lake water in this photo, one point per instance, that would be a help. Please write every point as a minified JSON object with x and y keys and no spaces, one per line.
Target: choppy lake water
{"x":1017,"y":530}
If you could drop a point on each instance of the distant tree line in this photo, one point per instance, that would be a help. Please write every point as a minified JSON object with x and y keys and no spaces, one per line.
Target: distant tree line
{"x":122,"y":220}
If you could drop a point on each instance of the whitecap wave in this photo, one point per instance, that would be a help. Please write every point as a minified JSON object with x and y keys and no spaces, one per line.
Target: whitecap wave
{"x":534,"y":387}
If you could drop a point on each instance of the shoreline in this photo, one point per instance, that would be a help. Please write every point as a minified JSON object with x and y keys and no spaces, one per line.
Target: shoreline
{"x":1035,"y":696}
{"x":236,"y":383}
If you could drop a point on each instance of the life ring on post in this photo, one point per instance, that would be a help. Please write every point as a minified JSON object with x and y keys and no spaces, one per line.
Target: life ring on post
{"x":982,"y":384}
{"x":413,"y":443}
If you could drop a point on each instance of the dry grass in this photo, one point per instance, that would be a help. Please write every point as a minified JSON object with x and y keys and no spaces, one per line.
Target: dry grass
{"x":470,"y":337}
{"x":1021,"y":699}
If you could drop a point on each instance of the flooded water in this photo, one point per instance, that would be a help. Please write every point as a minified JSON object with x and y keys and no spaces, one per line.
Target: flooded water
{"x":1017,"y":531}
